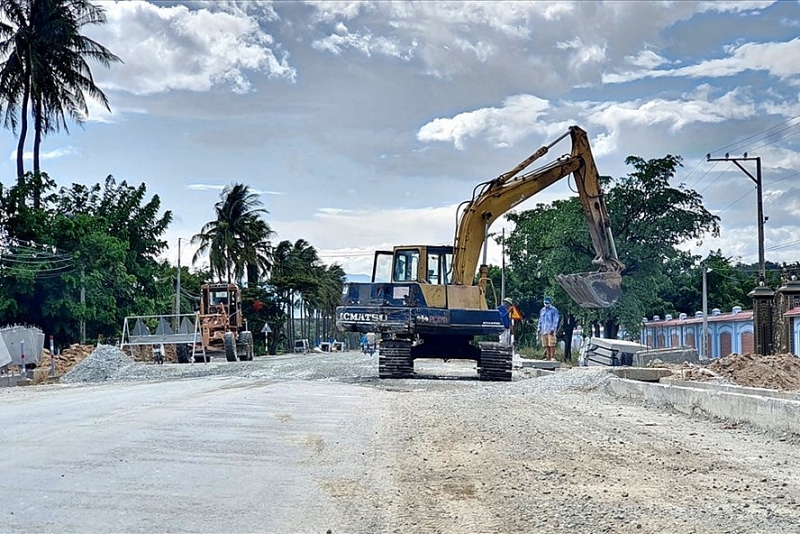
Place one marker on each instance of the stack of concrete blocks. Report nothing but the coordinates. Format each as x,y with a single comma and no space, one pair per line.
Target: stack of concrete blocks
616,352
16,341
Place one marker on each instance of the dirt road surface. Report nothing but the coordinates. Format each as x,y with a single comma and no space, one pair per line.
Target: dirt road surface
316,443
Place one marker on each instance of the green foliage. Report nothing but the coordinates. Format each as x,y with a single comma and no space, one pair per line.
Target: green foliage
46,71
237,240
649,218
100,242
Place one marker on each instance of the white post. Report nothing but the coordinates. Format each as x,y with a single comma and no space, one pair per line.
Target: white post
178,290
705,314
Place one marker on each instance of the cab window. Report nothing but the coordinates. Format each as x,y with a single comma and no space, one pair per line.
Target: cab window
406,263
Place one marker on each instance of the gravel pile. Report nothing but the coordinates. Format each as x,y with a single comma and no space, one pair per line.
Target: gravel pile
101,365
576,379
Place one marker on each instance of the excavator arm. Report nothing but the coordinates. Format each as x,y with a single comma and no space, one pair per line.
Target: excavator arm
494,198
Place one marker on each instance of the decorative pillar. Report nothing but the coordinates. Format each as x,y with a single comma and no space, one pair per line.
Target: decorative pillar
786,297
763,308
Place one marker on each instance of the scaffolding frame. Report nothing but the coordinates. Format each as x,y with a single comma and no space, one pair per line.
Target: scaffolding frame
188,332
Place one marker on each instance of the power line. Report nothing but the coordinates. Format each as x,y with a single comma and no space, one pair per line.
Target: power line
720,175
736,201
735,143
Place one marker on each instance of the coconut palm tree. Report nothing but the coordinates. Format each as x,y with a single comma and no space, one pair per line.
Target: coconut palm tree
45,70
237,242
292,276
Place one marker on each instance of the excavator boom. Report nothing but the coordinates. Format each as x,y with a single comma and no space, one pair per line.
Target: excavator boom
494,198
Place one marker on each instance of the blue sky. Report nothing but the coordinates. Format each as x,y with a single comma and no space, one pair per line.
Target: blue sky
364,124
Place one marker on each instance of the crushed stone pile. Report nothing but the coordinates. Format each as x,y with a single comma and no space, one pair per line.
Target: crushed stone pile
101,365
69,357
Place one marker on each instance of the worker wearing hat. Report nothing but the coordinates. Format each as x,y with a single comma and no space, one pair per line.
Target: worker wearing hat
548,324
505,318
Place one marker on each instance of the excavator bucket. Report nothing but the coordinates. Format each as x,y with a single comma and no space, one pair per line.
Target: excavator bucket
592,290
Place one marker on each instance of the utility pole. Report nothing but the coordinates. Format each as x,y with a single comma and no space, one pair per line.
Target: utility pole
503,269
759,200
705,312
178,290
763,297
83,311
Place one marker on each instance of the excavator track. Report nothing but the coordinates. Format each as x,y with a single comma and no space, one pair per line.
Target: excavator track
394,360
495,362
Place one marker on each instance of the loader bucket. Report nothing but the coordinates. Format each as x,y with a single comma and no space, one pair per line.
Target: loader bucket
592,290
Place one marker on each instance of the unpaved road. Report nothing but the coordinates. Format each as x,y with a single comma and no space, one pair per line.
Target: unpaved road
316,443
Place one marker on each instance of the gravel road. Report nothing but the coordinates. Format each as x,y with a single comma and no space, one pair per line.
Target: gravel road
316,443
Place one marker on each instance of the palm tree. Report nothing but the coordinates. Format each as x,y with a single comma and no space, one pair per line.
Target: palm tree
327,296
292,276
45,68
237,241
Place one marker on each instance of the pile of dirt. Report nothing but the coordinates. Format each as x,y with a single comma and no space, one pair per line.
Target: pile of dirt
69,357
776,371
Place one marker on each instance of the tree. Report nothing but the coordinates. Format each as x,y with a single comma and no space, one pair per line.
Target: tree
45,70
99,241
237,242
649,218
292,276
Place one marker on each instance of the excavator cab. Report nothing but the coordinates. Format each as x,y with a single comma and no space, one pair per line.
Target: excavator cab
426,264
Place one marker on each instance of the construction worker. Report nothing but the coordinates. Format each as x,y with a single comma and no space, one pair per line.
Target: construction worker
548,324
505,318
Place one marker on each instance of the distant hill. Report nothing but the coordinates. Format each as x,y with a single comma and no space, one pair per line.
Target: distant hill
358,278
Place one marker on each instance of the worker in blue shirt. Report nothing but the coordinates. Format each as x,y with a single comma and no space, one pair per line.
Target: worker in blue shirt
548,324
505,318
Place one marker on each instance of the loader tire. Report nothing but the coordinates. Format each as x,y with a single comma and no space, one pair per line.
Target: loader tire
495,362
230,346
246,339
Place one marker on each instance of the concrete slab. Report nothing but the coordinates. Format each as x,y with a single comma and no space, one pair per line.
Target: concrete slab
642,374
539,364
670,355
10,380
769,413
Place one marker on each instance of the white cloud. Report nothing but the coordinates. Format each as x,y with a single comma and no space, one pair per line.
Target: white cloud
205,187
776,59
646,59
366,43
676,114
517,118
174,48
51,154
736,6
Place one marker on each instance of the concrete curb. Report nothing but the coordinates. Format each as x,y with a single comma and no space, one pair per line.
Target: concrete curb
768,413
730,388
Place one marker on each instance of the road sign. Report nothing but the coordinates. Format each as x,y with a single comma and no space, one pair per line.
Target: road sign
514,314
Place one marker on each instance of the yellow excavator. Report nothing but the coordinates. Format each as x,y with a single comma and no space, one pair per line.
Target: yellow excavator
423,299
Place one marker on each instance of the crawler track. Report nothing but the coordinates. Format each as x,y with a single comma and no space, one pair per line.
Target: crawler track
495,362
395,360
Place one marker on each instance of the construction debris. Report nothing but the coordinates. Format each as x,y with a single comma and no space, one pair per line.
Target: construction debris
68,358
776,371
